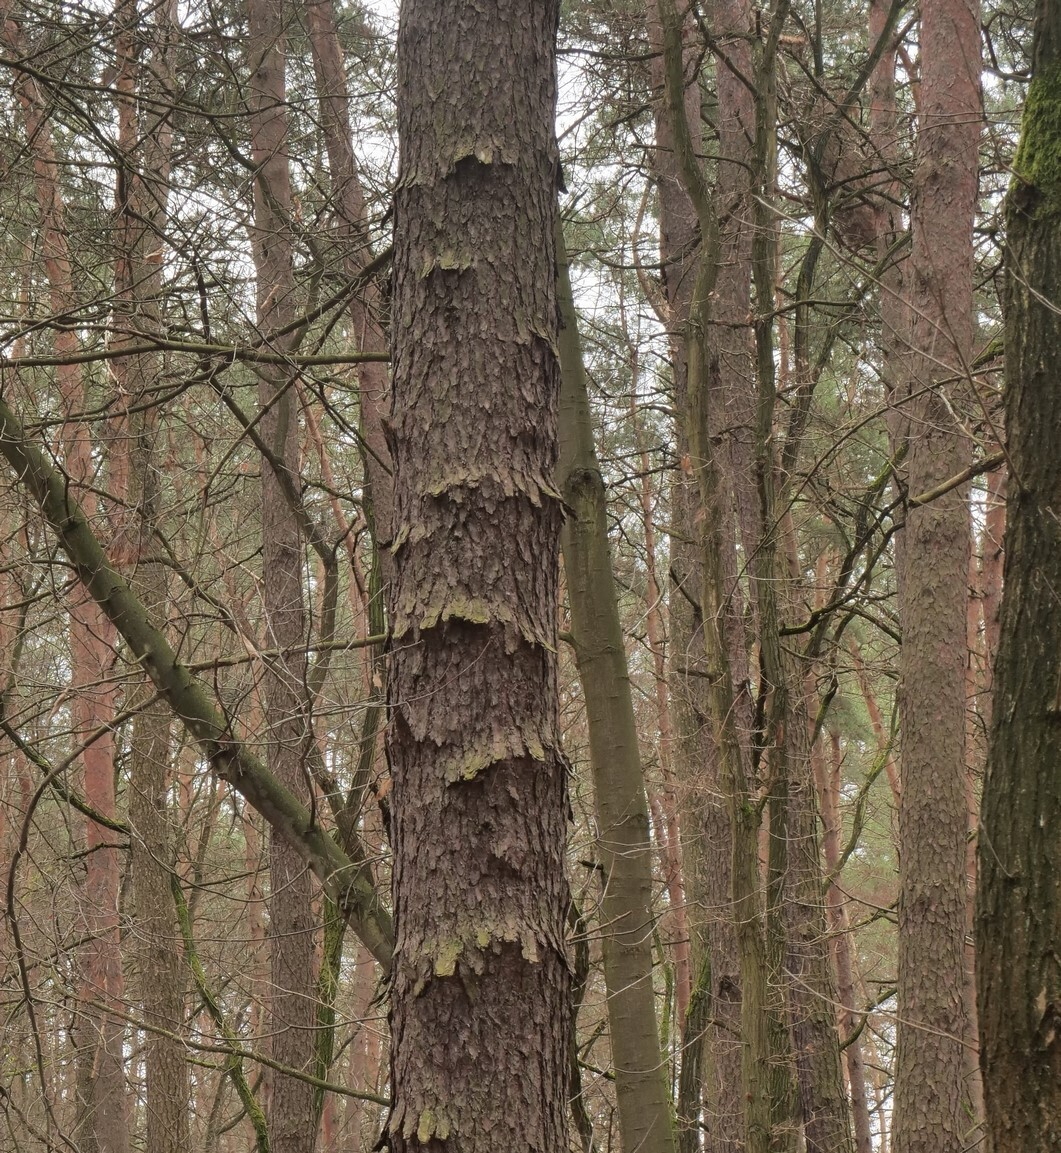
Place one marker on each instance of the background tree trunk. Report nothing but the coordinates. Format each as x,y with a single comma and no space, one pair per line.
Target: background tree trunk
292,1017
144,141
933,571
623,844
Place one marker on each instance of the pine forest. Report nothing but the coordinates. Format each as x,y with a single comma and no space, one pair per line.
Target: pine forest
530,576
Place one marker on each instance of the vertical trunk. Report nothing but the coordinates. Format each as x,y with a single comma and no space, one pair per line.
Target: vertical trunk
102,1121
670,826
829,780
760,1024
623,843
1019,913
144,149
991,579
932,570
706,817
366,307
812,986
975,757
480,986
884,147
291,920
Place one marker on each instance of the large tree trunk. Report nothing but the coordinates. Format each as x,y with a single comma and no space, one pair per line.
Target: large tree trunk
292,1016
480,989
623,843
1019,913
933,570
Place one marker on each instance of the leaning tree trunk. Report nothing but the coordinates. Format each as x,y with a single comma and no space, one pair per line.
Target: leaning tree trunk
480,985
1019,913
623,845
932,572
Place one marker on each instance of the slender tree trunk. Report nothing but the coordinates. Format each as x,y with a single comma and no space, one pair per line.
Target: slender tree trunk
623,844
480,989
102,1120
708,847
144,147
933,569
813,994
292,1015
829,780
670,826
1019,913
366,307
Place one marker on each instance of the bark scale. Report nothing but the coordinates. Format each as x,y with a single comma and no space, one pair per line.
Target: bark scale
480,988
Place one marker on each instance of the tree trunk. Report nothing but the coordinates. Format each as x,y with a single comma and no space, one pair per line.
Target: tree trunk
1019,912
708,848
366,307
623,845
933,571
292,1017
144,141
480,989
102,1116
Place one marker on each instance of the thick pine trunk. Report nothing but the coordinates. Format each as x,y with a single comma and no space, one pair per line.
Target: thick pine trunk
1019,912
480,984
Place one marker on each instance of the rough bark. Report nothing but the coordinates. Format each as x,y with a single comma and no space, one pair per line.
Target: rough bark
1019,910
932,571
623,844
480,989
291,1017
